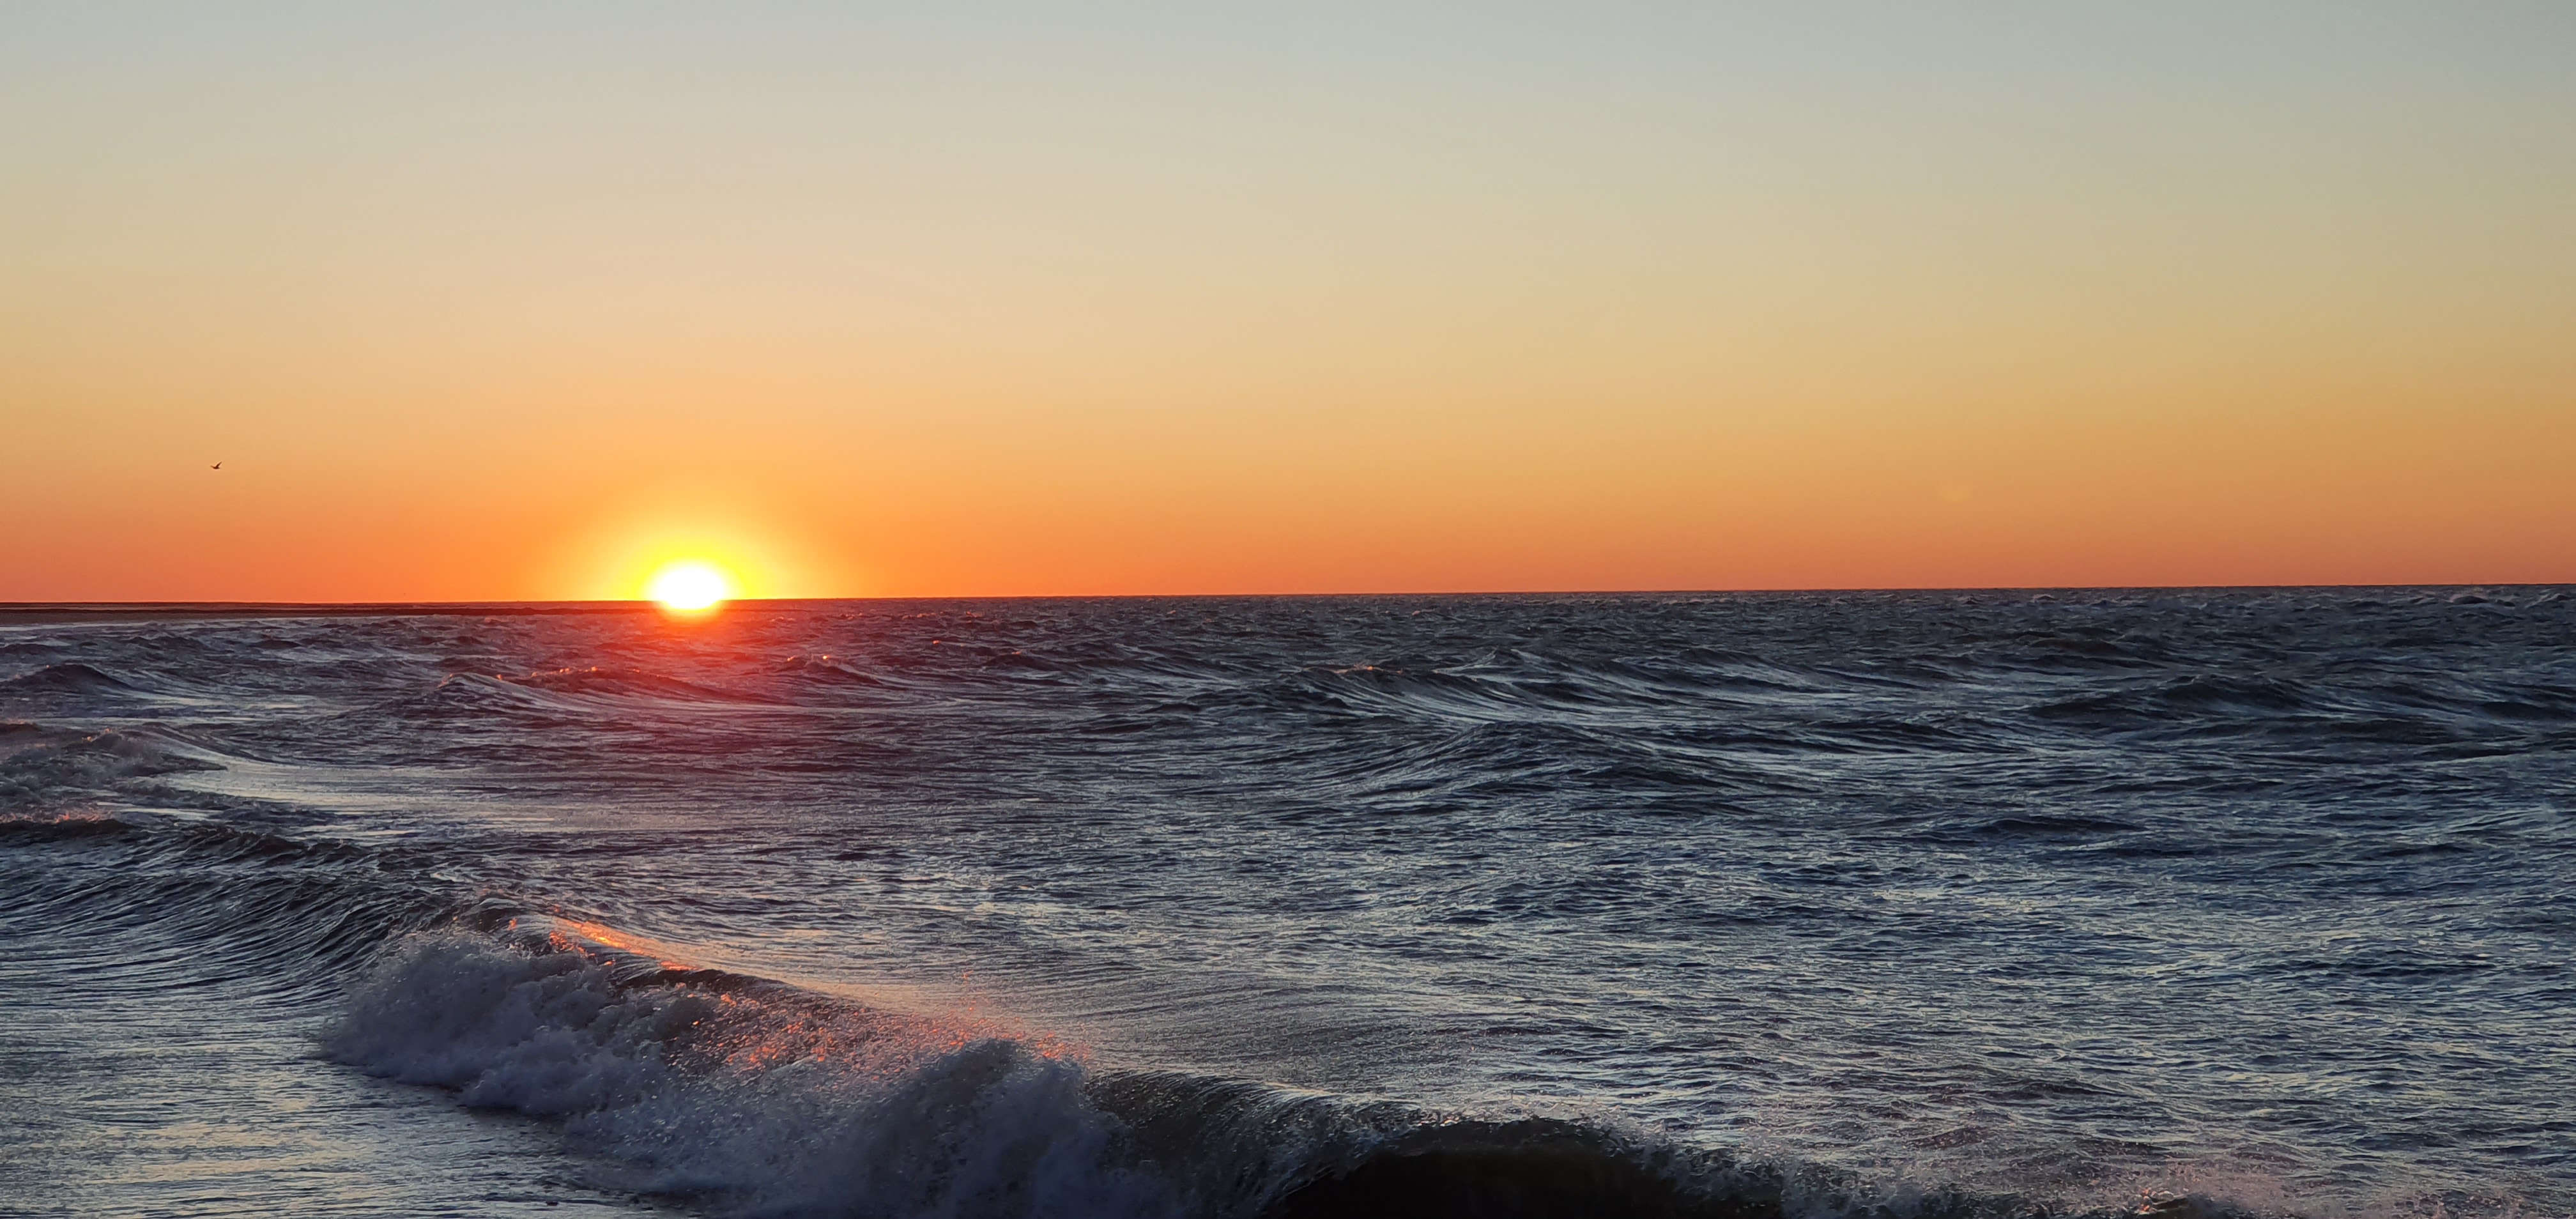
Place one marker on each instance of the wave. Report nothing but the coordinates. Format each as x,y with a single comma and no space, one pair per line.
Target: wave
140,674
750,1096
736,1094
823,667
60,826
1515,683
598,680
758,1098
67,677
39,763
582,694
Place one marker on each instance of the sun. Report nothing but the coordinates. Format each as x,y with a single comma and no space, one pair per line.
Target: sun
689,585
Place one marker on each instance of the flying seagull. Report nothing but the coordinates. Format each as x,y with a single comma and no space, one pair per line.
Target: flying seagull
217,466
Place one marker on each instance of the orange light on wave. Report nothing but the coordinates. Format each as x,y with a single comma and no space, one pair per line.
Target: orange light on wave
575,935
753,1033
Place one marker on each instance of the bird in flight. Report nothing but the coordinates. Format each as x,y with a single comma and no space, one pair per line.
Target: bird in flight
217,466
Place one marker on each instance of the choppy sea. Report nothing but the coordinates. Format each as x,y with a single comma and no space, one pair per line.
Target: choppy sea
2249,902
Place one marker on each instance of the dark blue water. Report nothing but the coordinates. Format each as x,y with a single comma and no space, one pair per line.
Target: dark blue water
1930,903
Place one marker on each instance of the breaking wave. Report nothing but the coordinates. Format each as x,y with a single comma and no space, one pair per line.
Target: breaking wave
776,1101
754,1098
763,1099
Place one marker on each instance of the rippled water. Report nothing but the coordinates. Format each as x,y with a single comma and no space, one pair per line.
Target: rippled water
1751,904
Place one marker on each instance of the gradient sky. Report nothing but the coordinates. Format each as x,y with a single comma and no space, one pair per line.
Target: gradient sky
508,300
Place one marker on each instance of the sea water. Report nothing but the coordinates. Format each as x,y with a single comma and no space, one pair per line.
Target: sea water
1896,904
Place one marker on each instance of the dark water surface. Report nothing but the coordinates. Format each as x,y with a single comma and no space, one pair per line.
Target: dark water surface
1720,905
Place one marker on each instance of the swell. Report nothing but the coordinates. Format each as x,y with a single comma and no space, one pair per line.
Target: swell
139,901
39,764
66,677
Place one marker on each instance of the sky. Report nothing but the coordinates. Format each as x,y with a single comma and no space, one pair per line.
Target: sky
485,301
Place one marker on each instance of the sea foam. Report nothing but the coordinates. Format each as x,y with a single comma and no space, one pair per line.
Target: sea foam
763,1099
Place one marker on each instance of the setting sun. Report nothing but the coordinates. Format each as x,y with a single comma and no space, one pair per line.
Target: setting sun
689,584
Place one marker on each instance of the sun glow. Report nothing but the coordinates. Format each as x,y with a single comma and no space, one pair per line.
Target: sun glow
689,585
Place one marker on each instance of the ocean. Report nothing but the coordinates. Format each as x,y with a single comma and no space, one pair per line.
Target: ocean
2176,902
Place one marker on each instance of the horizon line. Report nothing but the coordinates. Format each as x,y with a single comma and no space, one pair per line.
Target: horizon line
638,604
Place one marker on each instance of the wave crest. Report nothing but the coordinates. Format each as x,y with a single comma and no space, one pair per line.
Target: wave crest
700,1083
36,761
66,677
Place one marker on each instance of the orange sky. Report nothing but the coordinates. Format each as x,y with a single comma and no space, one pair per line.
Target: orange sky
477,305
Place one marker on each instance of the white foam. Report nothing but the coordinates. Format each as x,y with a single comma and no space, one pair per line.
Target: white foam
774,1103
